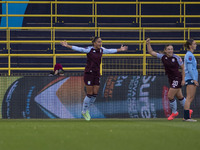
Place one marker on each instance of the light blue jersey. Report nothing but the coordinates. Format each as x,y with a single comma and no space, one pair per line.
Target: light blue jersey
190,65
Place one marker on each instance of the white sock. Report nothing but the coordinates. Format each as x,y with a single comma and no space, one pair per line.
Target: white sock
86,104
173,105
182,102
93,98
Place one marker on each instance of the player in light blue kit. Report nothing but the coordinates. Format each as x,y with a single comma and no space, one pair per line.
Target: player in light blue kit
191,77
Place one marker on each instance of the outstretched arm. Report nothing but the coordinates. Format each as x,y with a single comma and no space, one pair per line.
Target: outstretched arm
122,48
76,48
65,44
149,48
110,51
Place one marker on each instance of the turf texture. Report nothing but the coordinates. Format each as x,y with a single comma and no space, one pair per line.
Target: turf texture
99,134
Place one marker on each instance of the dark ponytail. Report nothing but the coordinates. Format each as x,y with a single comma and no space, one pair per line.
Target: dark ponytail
188,43
94,39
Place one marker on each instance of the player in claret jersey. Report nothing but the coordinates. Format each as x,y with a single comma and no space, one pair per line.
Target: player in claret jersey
92,70
176,80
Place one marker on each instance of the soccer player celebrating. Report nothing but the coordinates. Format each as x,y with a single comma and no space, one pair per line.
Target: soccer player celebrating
176,80
191,77
92,70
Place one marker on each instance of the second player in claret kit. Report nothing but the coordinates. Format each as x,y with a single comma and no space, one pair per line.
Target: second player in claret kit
172,63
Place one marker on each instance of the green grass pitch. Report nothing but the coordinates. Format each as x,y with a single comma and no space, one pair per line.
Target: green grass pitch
99,134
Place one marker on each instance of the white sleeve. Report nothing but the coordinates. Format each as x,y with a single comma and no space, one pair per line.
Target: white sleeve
109,51
159,55
81,49
180,62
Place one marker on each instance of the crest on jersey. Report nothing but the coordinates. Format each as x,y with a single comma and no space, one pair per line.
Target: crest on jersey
165,57
173,60
190,58
100,50
89,82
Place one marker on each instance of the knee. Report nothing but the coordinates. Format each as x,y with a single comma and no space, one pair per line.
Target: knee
190,97
95,93
180,96
96,90
90,92
170,97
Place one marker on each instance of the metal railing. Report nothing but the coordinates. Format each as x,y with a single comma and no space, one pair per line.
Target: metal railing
94,15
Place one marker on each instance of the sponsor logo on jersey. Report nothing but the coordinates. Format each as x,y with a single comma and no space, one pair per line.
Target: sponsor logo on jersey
190,58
